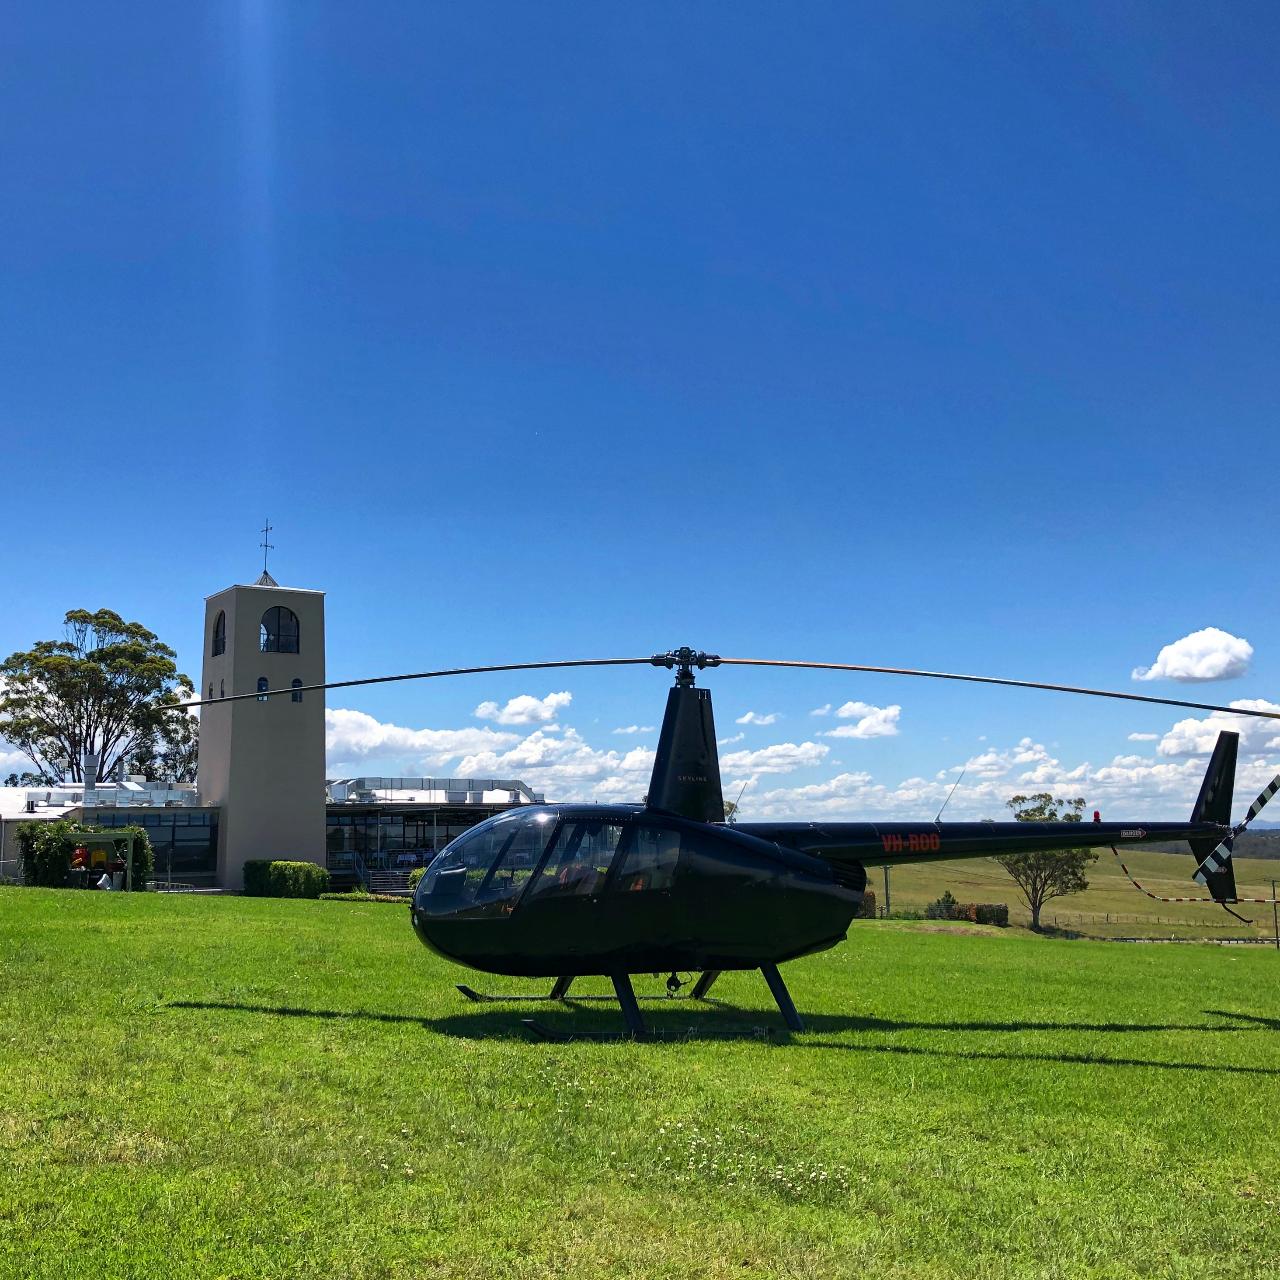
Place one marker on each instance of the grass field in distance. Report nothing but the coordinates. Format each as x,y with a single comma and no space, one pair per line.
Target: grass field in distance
1109,895
195,1086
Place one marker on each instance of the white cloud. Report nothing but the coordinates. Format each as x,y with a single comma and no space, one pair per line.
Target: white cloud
872,722
824,710
1128,786
566,767
1209,654
353,736
782,757
754,717
1143,737
635,728
524,709
737,737
1197,737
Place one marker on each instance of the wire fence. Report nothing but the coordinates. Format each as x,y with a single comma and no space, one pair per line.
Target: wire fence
1067,918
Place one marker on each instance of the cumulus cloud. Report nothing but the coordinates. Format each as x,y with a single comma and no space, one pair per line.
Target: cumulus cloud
524,709
1210,654
352,736
566,767
1192,737
635,728
869,721
1143,737
754,717
782,757
824,710
1127,786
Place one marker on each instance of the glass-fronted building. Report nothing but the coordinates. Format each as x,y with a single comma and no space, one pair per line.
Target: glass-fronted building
184,840
396,824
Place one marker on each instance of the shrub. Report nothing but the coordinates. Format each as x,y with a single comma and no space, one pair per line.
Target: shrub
264,878
46,849
947,908
415,875
943,909
868,909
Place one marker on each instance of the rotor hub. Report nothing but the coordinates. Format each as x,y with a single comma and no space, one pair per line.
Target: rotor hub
684,660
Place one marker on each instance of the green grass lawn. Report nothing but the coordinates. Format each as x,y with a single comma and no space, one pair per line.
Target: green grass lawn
195,1086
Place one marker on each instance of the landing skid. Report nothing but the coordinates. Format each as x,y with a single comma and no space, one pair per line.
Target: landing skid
628,1001
558,992
484,997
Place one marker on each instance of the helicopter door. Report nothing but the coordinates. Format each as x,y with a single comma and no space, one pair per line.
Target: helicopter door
561,904
642,910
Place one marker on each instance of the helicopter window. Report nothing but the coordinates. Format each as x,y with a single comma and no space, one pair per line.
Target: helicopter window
649,861
487,868
580,861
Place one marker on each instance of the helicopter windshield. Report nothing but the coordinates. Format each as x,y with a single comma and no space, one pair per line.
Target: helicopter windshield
484,871
533,856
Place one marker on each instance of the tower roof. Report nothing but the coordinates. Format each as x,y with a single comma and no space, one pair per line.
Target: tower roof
266,580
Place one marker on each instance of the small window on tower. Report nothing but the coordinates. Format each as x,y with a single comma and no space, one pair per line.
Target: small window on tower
296,695
220,634
263,686
279,630
211,693
222,688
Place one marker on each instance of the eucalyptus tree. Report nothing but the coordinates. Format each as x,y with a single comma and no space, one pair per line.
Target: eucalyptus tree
108,687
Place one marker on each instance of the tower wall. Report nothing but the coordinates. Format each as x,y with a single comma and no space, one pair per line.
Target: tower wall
263,762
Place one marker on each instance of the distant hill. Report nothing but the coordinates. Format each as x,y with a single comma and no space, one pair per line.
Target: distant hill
1250,844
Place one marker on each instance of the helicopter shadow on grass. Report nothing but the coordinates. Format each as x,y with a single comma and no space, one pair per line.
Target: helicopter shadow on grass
714,1020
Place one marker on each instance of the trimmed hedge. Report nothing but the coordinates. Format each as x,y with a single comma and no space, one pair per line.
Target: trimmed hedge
46,849
947,908
415,875
264,878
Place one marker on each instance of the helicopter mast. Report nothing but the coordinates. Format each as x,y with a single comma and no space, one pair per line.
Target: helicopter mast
686,769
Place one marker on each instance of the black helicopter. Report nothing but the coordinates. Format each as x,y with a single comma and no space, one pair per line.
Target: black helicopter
667,886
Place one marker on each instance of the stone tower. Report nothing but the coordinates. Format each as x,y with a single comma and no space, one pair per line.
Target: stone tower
262,760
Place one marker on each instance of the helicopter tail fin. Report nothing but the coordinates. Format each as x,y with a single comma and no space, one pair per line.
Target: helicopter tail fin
1213,857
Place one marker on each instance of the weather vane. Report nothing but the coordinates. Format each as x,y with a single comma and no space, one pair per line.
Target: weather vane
264,544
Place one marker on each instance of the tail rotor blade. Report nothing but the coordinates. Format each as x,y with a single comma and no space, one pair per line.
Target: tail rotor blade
1217,861
1261,802
1220,859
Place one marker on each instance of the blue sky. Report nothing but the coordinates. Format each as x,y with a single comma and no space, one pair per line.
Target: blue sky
921,337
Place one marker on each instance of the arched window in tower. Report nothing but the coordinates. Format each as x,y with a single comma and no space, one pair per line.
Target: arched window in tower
296,695
263,686
220,633
279,631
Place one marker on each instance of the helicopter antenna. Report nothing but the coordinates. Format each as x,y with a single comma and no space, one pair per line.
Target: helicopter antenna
952,792
733,821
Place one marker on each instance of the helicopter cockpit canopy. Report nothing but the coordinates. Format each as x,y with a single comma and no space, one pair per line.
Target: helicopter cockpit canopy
539,854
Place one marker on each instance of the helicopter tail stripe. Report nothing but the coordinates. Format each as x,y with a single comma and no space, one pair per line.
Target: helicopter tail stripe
1217,862
1257,806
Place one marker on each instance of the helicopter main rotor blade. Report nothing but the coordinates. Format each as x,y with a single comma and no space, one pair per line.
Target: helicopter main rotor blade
416,675
1016,684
